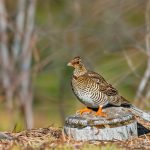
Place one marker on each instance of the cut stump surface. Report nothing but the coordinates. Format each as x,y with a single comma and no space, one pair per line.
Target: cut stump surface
119,124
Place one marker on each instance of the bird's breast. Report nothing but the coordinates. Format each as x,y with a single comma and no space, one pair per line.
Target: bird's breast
82,90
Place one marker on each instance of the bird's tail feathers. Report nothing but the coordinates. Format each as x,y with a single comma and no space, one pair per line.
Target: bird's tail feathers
138,112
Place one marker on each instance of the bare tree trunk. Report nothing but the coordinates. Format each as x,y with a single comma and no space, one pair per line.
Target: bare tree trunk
26,98
16,66
75,47
146,76
26,85
4,56
20,20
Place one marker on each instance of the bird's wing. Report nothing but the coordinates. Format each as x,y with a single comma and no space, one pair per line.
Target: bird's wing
105,87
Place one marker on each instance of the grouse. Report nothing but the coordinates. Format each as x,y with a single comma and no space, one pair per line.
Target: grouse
94,91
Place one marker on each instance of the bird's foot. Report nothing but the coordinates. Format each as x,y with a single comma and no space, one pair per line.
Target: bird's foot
100,113
84,110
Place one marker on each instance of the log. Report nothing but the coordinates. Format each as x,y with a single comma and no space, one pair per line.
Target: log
120,124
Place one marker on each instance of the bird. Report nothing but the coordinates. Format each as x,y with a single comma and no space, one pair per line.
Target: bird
94,91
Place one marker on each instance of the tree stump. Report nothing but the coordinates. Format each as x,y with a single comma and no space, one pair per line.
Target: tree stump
120,124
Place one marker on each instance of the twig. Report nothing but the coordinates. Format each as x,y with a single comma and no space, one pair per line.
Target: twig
146,76
130,64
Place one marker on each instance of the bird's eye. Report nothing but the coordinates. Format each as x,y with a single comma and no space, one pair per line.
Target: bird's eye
77,62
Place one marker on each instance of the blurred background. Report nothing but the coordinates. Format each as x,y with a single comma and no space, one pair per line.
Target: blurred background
39,37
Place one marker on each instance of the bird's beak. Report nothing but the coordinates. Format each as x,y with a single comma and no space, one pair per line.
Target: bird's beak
69,64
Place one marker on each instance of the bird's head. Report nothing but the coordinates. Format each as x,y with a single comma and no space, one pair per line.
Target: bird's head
78,66
75,62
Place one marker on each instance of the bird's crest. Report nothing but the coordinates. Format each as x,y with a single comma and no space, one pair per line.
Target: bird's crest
75,61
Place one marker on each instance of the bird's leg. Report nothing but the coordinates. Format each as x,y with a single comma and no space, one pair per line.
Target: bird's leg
81,111
100,112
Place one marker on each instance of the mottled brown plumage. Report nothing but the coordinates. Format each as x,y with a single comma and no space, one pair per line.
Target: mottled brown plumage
92,89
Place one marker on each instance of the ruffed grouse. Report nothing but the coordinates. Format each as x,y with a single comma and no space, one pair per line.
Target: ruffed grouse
93,90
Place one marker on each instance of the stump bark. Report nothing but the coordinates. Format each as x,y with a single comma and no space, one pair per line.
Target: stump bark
120,124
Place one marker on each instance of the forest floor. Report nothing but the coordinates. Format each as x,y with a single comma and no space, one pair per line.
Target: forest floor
54,138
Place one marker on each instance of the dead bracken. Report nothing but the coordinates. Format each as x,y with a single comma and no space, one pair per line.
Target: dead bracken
52,137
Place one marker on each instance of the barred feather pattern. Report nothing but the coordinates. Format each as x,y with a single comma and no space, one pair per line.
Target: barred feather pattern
93,90
90,94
